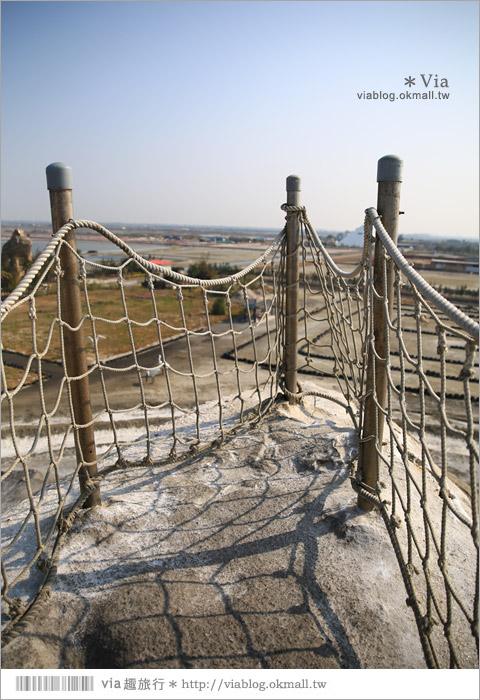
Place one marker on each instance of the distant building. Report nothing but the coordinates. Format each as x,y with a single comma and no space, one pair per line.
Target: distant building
161,283
164,263
331,240
454,265
472,267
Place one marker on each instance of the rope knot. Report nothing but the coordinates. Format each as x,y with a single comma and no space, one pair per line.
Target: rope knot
90,485
428,624
32,313
468,371
442,341
82,269
121,463
43,564
16,607
65,524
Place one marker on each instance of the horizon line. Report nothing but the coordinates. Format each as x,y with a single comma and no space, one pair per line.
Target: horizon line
9,222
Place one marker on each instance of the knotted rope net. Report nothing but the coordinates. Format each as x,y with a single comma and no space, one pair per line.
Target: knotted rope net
426,455
179,354
147,404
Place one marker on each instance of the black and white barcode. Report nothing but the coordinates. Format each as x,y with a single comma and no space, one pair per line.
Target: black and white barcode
53,683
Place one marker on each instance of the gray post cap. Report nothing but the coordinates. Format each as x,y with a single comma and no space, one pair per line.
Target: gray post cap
293,183
59,177
390,168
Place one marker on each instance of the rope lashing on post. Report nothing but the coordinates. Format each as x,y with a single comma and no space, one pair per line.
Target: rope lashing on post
319,245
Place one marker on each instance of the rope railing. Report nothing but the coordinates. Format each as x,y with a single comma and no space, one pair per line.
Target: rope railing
377,339
155,416
455,314
354,330
73,225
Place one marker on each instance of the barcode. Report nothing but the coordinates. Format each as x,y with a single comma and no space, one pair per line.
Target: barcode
52,683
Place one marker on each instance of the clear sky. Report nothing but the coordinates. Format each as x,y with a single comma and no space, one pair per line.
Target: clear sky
195,112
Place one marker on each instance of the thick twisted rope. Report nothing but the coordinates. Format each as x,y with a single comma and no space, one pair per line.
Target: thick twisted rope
146,264
449,309
26,281
347,309
346,334
330,262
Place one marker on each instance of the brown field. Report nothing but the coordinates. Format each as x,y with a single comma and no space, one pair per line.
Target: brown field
13,376
121,338
109,311
451,279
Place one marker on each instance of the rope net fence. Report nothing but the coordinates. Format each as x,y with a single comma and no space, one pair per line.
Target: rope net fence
187,341
426,455
147,404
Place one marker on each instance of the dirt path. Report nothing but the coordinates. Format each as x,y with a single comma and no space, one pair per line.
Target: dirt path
128,389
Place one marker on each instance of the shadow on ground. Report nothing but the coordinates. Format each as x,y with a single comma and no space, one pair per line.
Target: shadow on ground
254,555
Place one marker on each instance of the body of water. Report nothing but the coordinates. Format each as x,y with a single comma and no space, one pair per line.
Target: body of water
103,248
180,254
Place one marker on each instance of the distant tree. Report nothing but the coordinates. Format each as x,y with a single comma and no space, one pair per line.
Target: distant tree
207,271
224,269
219,307
202,269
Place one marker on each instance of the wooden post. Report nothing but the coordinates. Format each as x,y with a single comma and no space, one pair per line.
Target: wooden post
389,178
291,301
59,183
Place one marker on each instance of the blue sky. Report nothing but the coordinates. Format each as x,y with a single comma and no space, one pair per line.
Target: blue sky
195,112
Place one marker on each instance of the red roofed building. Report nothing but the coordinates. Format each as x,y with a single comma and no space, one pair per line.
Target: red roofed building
163,263
159,283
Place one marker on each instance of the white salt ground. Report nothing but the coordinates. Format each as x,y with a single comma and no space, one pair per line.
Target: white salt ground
253,555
